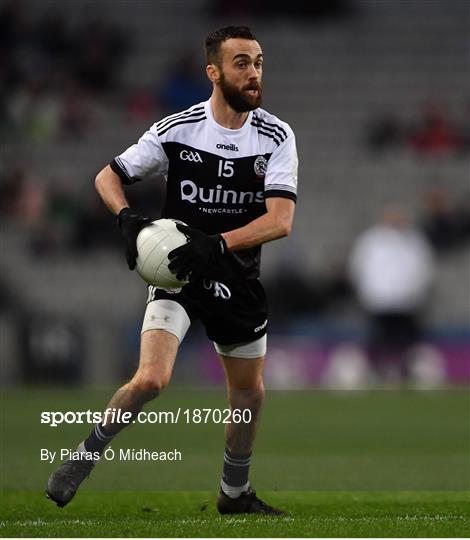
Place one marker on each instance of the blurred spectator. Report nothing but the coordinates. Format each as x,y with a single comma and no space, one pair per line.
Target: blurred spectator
22,197
185,85
46,67
435,134
59,221
76,117
391,268
385,132
141,105
292,288
60,228
446,225
98,55
40,117
95,228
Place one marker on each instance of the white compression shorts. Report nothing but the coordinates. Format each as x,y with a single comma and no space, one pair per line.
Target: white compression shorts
170,316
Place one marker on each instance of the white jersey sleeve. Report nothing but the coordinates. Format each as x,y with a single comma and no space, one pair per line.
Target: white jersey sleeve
281,174
141,160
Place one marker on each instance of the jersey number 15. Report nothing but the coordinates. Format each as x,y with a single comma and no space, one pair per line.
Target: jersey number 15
225,168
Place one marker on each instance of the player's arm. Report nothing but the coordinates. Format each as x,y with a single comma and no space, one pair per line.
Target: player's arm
200,255
139,161
110,188
280,191
275,223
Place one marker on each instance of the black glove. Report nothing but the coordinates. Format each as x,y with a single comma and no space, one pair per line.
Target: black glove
131,225
199,257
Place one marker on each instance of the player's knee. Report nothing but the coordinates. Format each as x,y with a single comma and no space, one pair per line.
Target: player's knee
256,396
150,385
250,398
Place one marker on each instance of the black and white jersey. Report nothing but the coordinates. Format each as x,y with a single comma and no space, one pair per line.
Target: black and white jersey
217,178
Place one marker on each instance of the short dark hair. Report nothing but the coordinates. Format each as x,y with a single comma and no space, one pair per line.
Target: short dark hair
216,38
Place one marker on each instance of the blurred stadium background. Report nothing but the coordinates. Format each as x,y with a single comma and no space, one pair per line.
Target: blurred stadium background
377,93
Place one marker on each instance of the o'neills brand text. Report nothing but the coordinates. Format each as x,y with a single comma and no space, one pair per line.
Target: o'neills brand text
231,147
261,326
194,194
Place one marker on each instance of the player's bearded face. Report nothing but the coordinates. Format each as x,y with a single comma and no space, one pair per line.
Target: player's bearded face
242,99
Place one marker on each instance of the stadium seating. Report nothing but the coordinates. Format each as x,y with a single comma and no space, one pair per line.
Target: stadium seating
328,80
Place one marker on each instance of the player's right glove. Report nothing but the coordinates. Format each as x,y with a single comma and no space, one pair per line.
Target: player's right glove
130,225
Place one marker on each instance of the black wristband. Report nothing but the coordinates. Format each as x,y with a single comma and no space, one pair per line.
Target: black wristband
222,244
122,214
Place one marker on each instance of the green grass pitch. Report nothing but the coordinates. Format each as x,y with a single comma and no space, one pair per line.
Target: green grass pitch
183,514
376,463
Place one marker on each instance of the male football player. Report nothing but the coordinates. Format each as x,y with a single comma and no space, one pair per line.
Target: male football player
231,170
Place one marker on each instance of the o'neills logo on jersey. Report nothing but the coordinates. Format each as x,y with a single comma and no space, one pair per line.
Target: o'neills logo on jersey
195,194
261,326
231,147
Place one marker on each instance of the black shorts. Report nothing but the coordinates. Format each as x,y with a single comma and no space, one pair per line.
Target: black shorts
231,312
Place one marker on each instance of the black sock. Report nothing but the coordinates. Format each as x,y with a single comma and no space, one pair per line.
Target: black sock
97,440
236,468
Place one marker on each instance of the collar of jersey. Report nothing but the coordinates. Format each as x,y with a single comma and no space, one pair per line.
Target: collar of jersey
223,129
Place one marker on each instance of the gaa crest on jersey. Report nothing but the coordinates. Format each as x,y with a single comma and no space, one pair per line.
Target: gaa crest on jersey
190,155
260,166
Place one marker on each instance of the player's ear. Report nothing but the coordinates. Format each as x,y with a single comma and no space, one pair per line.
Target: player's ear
213,73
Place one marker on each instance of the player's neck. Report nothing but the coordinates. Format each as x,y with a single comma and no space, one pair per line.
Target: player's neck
224,115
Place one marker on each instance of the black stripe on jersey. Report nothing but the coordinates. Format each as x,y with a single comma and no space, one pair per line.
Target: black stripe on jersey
275,126
177,116
280,193
278,137
183,121
287,187
270,135
122,173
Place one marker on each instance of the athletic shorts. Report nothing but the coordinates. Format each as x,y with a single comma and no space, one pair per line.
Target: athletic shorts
231,312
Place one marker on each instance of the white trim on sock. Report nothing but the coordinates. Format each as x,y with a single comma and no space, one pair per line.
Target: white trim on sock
101,435
81,448
232,491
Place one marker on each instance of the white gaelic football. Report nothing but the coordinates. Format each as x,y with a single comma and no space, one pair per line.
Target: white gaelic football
154,242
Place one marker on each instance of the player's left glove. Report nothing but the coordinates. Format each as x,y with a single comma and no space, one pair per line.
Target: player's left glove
199,257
